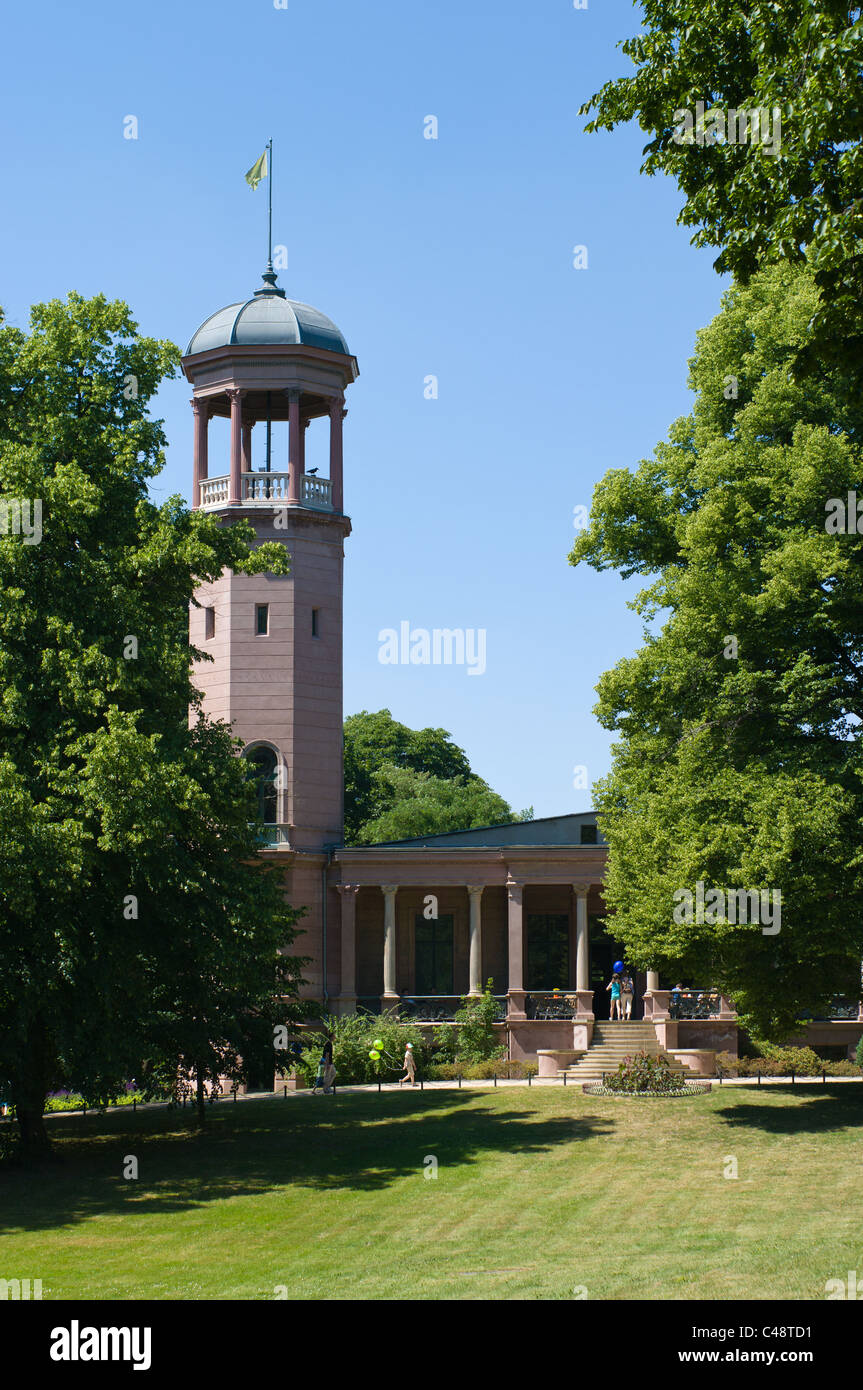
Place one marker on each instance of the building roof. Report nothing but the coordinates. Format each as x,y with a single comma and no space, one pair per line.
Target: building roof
269,318
548,831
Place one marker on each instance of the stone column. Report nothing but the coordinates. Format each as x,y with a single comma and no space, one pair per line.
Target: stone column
390,995
583,991
337,415
235,491
515,920
651,989
475,962
201,409
348,981
295,447
247,445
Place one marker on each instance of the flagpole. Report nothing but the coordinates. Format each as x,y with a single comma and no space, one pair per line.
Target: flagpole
270,191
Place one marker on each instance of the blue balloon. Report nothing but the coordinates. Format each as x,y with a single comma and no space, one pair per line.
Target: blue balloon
618,965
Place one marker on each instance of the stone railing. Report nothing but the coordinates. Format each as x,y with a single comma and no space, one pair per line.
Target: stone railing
317,492
267,490
273,836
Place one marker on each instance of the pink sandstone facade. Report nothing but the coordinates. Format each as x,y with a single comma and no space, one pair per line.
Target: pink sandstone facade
517,903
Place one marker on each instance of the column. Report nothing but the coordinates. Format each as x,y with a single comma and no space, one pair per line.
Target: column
515,923
201,410
337,415
247,445
475,958
390,996
348,980
583,991
295,447
235,490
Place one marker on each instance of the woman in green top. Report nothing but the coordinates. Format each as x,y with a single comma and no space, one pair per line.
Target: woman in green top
614,986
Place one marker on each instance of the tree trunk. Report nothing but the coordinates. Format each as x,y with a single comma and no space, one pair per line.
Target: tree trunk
31,1127
199,1086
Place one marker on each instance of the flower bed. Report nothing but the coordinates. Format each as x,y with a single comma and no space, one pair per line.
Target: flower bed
689,1088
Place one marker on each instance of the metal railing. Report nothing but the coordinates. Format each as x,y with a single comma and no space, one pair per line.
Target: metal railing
550,1005
695,1003
272,836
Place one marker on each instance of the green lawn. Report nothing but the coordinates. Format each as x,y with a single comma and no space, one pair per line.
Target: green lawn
539,1191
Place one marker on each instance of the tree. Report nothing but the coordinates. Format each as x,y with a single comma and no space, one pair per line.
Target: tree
383,801
739,756
798,199
418,804
137,919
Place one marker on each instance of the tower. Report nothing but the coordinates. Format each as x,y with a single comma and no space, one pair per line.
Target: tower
276,641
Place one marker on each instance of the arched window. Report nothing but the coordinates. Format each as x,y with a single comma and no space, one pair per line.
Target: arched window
265,766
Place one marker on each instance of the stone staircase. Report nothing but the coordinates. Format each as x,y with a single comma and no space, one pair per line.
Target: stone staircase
611,1043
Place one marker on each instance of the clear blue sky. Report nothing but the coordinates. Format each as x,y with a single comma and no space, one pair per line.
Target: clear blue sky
450,257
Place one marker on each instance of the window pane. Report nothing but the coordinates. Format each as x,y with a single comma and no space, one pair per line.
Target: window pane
433,954
547,950
263,763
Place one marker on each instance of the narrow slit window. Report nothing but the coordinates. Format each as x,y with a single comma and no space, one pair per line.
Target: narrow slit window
209,623
316,623
262,619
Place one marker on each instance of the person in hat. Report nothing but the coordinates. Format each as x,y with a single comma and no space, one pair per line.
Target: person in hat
410,1066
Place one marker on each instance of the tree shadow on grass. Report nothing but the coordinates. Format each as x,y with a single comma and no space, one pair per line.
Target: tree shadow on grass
827,1110
362,1143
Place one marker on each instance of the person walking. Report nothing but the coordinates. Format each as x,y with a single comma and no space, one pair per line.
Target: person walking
627,992
326,1074
410,1066
614,987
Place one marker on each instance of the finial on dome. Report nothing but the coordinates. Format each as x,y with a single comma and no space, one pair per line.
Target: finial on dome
269,278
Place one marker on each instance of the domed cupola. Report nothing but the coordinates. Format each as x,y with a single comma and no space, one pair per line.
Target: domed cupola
268,358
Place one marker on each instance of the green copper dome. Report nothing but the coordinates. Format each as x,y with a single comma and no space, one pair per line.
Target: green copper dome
267,319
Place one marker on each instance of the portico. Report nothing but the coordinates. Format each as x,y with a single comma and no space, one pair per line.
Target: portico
433,920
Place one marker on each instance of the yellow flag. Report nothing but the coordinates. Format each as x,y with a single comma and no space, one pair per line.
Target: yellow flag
258,171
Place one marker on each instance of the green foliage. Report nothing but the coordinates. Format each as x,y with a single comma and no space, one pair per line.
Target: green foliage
353,1037
742,771
141,932
644,1074
481,1071
783,1061
859,1052
401,783
477,1038
801,203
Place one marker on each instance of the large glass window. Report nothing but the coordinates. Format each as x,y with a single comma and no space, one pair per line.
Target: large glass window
547,950
433,941
264,765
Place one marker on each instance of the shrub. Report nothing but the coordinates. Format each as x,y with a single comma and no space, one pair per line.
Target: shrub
644,1073
477,1039
353,1038
859,1052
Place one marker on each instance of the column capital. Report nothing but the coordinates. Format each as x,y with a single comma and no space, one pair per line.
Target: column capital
336,404
235,393
474,887
293,393
202,406
348,887
581,889
389,887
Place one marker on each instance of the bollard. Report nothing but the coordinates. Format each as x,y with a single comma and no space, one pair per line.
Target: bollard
379,1085
759,1078
459,1080
134,1104
564,1078
528,1080
421,1083
792,1076
823,1077
285,1092
495,1079
235,1095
